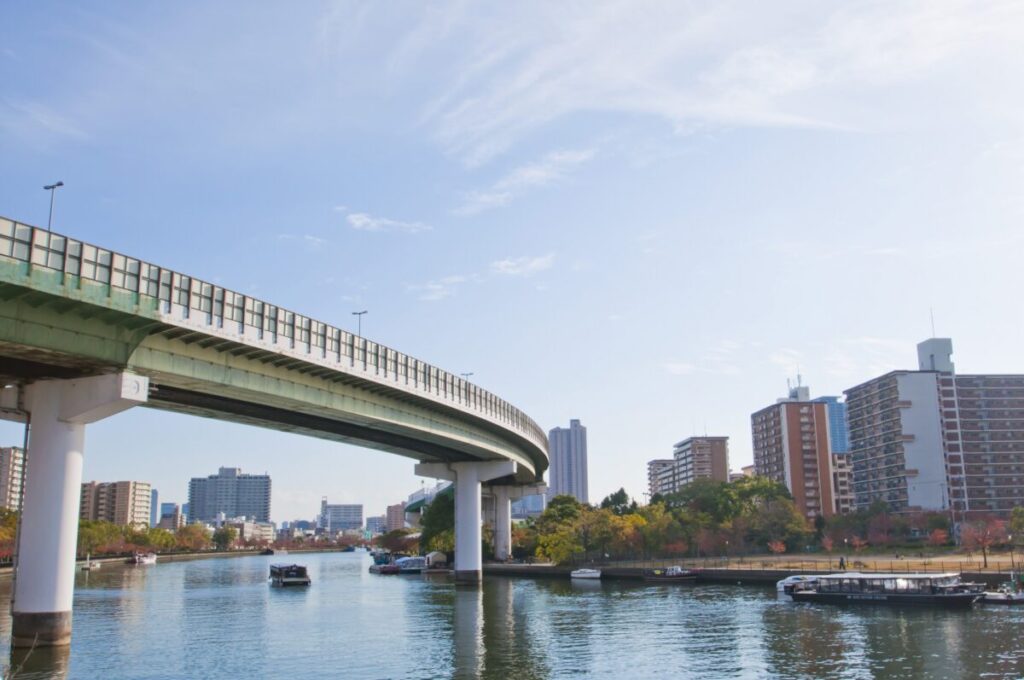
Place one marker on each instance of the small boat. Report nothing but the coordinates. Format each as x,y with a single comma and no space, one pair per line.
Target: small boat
142,558
585,574
384,569
784,588
411,565
674,574
90,565
348,548
934,590
283,575
1007,593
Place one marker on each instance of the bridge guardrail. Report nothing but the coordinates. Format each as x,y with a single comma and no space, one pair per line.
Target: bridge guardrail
220,307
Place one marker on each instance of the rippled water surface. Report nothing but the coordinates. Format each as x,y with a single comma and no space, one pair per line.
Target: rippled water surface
218,618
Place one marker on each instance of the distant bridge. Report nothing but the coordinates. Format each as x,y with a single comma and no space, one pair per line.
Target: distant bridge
86,332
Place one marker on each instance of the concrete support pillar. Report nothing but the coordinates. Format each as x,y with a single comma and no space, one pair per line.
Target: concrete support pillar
502,523
468,478
44,581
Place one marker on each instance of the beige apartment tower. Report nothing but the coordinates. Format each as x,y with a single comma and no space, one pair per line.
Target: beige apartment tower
12,466
123,503
700,458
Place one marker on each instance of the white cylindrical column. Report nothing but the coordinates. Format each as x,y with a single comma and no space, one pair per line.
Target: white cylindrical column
468,555
49,524
502,523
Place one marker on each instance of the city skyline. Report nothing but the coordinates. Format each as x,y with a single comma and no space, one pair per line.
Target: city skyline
599,215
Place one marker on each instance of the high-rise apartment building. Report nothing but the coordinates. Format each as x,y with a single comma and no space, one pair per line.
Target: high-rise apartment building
838,432
660,473
123,503
791,446
229,492
567,450
377,524
842,484
338,517
934,440
12,467
396,516
154,508
700,458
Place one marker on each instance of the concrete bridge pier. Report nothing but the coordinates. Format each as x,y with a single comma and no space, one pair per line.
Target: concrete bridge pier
503,497
468,478
58,411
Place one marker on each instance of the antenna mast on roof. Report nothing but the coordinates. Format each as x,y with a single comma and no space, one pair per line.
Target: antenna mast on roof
931,312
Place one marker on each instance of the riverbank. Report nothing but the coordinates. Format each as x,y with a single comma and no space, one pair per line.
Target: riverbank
756,572
188,556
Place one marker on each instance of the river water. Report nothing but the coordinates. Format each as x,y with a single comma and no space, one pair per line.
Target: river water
218,618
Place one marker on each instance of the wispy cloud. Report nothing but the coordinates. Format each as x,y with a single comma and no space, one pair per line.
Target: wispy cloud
310,241
551,168
719,359
693,65
367,222
448,286
440,289
523,266
25,118
679,367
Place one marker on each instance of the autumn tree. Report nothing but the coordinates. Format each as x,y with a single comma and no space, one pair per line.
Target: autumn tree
192,537
982,535
938,537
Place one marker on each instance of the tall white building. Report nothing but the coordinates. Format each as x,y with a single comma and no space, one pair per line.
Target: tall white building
229,492
338,517
12,464
567,448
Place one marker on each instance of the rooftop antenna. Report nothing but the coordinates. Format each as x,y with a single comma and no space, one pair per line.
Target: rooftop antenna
931,312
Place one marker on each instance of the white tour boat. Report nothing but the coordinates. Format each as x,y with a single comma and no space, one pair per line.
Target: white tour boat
585,573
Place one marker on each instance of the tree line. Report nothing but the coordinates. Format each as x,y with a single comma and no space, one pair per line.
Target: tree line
752,515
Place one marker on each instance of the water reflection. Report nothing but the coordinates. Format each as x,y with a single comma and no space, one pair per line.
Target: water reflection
42,663
220,619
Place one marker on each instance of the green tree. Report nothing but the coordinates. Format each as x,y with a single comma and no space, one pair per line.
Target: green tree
1016,525
438,524
160,539
619,503
224,537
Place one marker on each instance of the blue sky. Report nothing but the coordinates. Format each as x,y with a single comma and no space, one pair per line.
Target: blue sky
644,215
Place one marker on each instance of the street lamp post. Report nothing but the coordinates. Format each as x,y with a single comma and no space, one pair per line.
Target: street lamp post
52,188
465,376
359,315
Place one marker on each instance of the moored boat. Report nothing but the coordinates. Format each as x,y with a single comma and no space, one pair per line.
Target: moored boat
1011,592
411,565
784,588
933,590
585,574
283,575
90,565
675,574
142,558
384,569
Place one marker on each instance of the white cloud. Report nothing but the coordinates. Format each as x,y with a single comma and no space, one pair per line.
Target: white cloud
551,168
367,222
679,367
523,266
440,289
519,68
31,119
